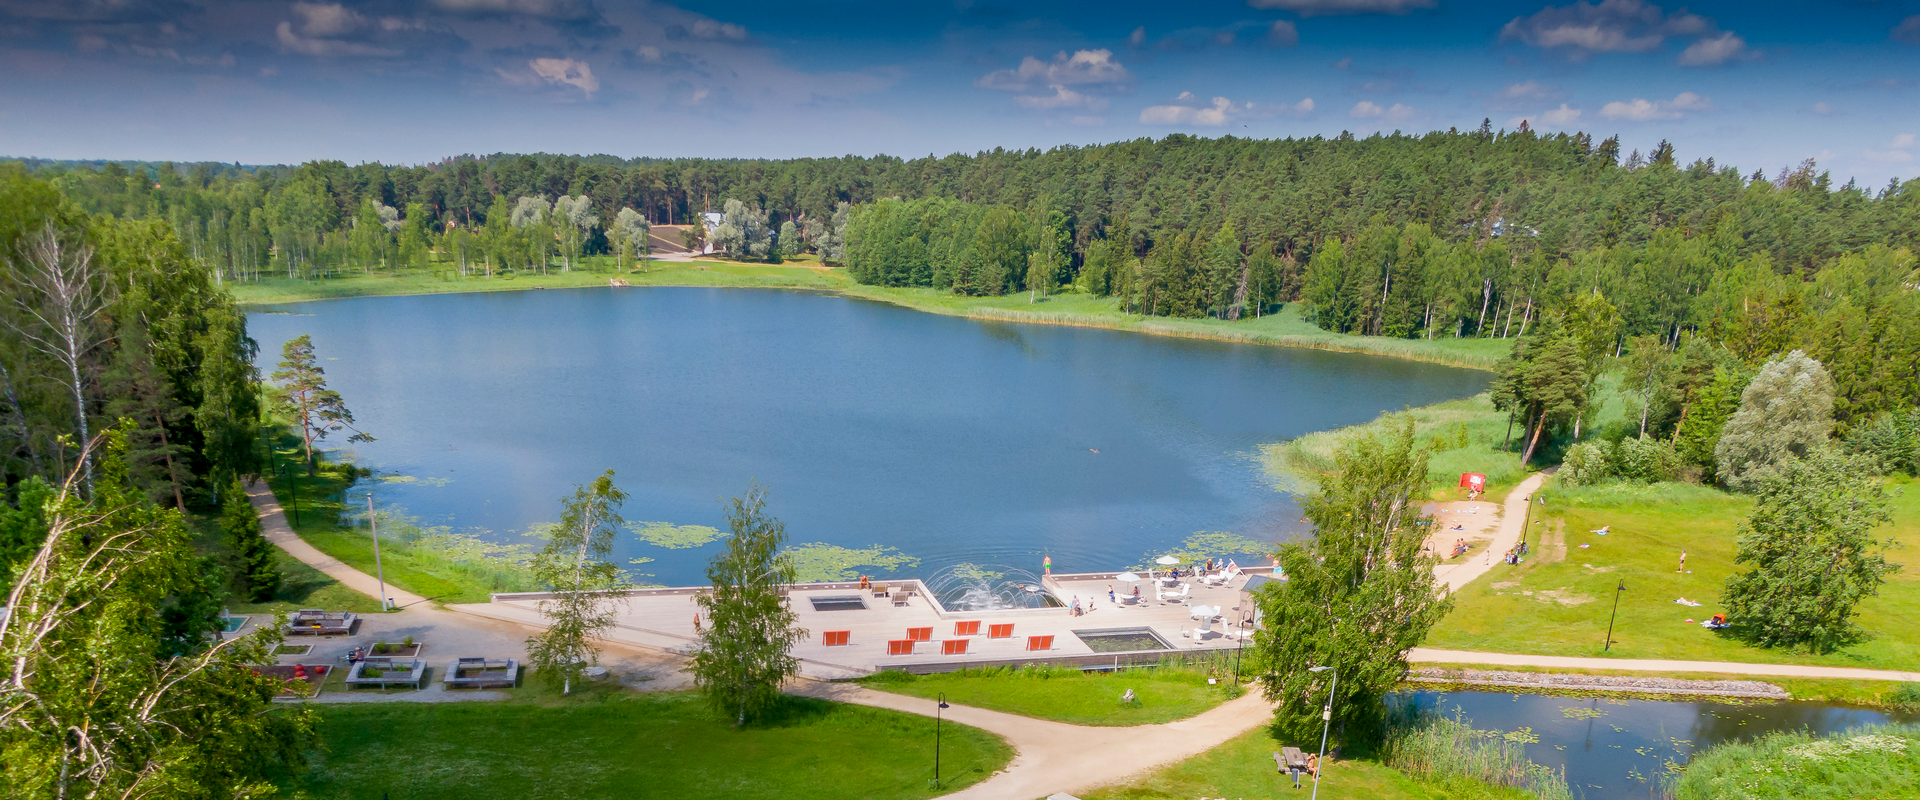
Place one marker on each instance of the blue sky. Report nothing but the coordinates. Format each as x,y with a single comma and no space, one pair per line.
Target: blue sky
1753,84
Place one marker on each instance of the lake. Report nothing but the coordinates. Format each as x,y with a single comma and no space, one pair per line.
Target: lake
1620,749
952,441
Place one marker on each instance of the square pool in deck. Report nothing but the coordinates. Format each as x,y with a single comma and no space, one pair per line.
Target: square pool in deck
853,631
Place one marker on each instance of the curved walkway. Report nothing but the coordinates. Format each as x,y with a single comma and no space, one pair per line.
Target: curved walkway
1513,524
1057,757
273,524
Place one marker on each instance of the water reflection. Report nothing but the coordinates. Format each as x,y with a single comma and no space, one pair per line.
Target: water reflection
1620,749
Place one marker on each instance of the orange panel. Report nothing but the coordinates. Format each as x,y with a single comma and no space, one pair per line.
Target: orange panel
833,638
900,647
953,647
1002,631
1040,642
971,628
920,634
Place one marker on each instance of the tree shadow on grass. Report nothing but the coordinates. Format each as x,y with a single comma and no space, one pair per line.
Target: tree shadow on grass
791,711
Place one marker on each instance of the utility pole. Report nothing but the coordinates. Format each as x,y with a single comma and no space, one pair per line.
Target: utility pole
379,574
1326,724
936,739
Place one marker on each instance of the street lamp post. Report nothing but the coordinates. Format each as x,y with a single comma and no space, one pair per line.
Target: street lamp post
379,574
1326,724
936,739
293,485
1616,613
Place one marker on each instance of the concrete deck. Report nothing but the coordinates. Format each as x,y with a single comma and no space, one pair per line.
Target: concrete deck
664,619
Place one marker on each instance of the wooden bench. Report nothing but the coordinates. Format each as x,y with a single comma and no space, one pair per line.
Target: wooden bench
1040,642
899,647
968,628
920,634
835,638
1000,631
953,647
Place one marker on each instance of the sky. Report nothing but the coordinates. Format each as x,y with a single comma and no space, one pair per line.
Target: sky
1756,85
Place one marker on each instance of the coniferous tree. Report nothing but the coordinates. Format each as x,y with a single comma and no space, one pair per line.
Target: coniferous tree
303,395
252,563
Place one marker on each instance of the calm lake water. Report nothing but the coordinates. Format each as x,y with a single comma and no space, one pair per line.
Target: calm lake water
1616,749
953,440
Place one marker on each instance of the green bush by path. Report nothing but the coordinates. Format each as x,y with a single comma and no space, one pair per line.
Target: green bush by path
1162,694
301,586
1558,601
1880,762
619,745
1243,768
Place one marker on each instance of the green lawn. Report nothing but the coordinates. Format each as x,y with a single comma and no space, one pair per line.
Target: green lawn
1243,768
1072,308
1558,602
301,586
1162,694
611,744
1813,690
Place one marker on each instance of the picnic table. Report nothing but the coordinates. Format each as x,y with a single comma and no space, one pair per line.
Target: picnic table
1290,760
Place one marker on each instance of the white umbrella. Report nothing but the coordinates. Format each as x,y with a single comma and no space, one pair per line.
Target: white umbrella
1166,561
1126,576
1205,612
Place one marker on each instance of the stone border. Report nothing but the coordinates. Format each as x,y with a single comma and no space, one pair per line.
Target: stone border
1558,681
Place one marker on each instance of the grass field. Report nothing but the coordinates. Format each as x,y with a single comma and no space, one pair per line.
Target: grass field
1558,602
301,586
1163,694
1243,769
618,744
1283,328
1881,762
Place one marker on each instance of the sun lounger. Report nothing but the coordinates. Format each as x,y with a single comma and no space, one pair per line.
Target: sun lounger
1000,631
954,647
835,638
967,628
899,647
1040,642
920,634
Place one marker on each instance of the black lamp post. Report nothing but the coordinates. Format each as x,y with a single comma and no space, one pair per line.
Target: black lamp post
293,485
936,739
1616,613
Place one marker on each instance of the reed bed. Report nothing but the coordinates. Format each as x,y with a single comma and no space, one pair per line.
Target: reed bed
1432,747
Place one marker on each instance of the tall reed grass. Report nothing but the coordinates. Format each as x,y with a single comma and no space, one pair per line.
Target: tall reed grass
1429,746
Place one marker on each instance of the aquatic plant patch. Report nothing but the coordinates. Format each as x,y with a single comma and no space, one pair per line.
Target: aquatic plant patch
817,561
675,537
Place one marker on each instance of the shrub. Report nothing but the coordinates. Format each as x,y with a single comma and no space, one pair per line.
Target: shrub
1891,439
1645,459
1585,464
1877,761
1906,698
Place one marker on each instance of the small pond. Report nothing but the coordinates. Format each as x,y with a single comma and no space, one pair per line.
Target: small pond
1616,749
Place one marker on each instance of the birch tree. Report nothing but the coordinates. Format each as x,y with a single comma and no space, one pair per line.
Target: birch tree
61,297
573,566
748,634
631,235
573,219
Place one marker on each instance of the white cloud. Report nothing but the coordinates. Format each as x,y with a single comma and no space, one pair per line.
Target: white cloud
1369,110
1045,84
1908,31
322,26
1530,90
550,9
1188,109
1310,8
1714,51
1062,97
1902,142
1562,117
1822,108
647,53
1642,110
1283,34
715,30
1083,68
1138,37
566,72
1624,26
1896,152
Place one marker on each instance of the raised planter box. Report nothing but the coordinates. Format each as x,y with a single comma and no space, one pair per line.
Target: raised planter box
315,622
383,671
396,650
482,672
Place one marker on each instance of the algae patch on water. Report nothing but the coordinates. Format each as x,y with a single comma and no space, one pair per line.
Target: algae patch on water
675,537
818,561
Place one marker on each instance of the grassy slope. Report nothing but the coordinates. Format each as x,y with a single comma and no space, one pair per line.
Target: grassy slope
1801,765
626,745
1572,589
301,586
1284,328
1071,696
1243,768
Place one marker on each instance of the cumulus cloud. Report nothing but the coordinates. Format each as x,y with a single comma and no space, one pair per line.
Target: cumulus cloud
1283,34
546,9
1642,110
1896,151
1908,31
1189,109
1311,8
1624,26
1715,50
327,29
1067,81
554,72
1562,117
1370,110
